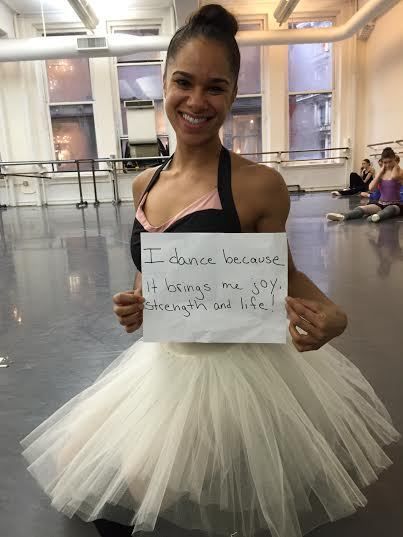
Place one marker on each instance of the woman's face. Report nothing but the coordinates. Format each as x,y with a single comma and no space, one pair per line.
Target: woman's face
365,165
199,91
389,163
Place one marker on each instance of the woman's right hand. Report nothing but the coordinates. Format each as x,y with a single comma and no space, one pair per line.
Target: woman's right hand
128,308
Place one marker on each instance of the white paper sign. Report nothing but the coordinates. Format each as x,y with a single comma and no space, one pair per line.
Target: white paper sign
214,287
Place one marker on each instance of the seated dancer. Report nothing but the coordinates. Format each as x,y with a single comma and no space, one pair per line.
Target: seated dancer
358,182
388,181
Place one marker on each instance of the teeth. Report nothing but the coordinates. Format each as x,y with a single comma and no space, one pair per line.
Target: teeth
193,120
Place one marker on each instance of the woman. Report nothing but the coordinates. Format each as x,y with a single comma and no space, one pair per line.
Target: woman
373,196
226,439
389,181
358,182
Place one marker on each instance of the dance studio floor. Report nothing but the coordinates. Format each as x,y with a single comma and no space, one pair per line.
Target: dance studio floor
59,268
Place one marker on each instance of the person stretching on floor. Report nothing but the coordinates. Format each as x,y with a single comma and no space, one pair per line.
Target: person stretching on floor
388,180
358,182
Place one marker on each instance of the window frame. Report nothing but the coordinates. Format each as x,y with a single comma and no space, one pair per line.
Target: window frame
306,18
114,27
262,22
59,29
139,63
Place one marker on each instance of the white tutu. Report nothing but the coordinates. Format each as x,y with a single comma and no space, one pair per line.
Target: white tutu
225,438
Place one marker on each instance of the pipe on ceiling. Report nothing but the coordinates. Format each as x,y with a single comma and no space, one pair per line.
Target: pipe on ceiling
41,48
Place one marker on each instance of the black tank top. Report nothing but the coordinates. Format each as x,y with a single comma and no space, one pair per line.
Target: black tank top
223,220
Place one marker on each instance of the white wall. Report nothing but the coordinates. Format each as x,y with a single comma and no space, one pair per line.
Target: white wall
6,27
6,20
381,100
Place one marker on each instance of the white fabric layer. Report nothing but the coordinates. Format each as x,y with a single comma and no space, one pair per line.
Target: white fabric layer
219,437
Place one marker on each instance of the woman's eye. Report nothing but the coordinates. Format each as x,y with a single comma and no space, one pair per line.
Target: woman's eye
216,89
182,82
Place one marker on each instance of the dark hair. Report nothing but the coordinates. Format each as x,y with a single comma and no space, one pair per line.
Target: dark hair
367,161
211,22
388,153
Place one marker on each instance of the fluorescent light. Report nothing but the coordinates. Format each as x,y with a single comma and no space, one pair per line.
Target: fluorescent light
85,13
105,8
284,10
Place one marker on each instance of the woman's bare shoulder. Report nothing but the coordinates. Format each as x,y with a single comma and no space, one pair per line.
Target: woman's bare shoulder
257,178
140,183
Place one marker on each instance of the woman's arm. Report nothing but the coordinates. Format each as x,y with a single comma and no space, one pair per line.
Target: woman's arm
128,305
308,308
375,182
369,177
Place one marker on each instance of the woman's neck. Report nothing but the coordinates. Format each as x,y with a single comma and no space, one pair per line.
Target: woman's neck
196,157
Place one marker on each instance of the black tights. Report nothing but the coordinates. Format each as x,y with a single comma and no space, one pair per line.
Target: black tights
106,528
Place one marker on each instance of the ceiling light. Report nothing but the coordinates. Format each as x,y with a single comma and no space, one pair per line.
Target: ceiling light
105,8
85,13
284,10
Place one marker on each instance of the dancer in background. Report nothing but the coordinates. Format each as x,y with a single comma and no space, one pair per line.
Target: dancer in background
358,182
389,181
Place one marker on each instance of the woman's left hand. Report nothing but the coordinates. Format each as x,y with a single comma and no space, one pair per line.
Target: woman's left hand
320,322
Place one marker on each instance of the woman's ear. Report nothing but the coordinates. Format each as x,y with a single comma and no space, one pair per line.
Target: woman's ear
234,94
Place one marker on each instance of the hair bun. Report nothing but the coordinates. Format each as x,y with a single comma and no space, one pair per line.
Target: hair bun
216,16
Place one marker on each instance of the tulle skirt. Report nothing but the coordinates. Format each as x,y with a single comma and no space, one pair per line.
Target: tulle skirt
240,439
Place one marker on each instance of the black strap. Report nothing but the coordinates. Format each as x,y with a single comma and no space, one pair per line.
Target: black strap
156,175
225,187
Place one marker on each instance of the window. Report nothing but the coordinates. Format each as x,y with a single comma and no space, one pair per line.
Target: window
242,128
71,110
140,77
310,84
242,131
140,56
73,133
69,80
142,82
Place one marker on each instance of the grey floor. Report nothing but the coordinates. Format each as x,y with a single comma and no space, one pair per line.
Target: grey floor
59,268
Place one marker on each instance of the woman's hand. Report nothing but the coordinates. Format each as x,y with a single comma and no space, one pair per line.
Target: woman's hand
128,309
320,322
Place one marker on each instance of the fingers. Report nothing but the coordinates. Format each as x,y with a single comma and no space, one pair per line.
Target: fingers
128,297
131,323
135,326
130,319
125,311
310,304
128,307
302,342
297,308
302,323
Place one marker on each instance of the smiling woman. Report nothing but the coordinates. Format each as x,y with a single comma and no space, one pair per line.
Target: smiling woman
241,439
199,93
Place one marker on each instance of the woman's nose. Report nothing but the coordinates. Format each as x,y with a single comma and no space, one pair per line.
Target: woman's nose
197,99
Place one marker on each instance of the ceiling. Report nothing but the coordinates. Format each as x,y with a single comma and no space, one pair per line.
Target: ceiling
34,6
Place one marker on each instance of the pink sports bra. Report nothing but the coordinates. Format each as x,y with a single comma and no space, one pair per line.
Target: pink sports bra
211,200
